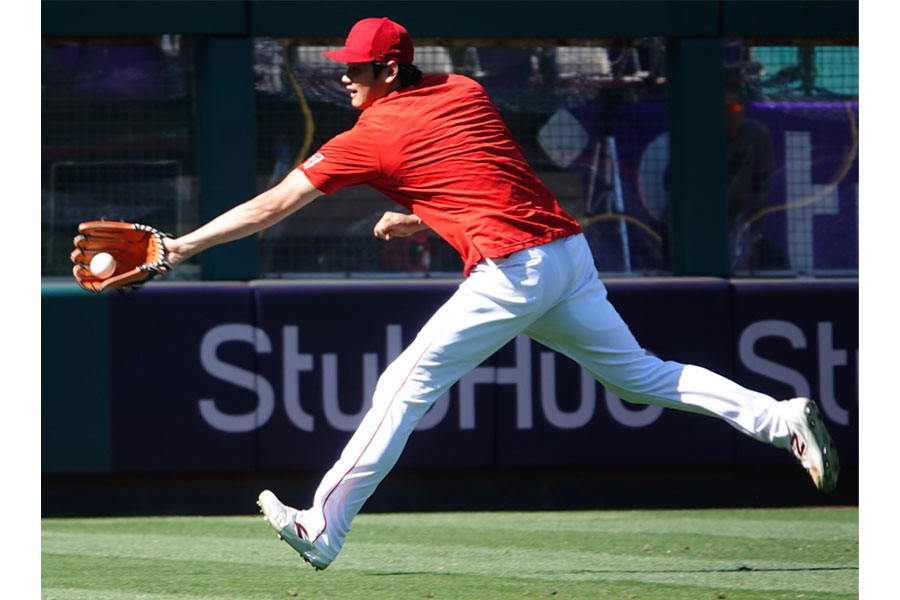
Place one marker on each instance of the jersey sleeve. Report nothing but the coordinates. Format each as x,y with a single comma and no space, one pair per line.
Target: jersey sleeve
349,158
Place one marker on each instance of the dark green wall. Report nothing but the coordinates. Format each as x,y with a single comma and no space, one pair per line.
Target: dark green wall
697,172
464,18
226,146
74,381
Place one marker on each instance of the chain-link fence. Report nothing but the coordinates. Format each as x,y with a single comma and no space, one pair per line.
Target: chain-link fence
590,115
116,138
585,114
792,121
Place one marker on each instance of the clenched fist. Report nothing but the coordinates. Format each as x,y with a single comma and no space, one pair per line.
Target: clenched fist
398,225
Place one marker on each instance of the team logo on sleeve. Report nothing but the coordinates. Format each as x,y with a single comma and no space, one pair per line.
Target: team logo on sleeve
313,160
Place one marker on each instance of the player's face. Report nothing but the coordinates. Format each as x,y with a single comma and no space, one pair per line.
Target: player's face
363,86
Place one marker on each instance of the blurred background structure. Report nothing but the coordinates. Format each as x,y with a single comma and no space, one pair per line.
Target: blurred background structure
709,148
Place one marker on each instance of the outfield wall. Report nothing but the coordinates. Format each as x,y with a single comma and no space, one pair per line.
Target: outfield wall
248,377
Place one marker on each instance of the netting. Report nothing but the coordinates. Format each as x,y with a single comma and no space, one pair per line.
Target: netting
117,142
116,138
792,117
580,111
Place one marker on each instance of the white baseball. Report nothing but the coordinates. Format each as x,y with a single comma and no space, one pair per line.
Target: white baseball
103,265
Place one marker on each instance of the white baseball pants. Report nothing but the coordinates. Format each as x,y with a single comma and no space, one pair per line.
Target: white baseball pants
551,293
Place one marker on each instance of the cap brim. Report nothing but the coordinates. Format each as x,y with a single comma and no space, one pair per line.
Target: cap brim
346,56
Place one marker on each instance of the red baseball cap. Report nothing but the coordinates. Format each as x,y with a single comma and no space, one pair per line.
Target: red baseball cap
375,39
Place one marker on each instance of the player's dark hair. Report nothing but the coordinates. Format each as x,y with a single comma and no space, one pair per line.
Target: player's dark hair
408,74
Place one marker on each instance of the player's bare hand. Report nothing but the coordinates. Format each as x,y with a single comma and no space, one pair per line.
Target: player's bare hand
397,225
174,253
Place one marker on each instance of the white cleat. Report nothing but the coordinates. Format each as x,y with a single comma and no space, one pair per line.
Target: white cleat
284,520
811,444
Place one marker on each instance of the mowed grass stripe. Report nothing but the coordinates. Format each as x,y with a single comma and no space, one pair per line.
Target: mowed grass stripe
726,553
500,554
477,557
550,564
214,527
827,525
225,549
809,524
95,594
844,549
197,579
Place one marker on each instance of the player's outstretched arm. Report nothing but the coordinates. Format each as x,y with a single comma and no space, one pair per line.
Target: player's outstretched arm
268,208
398,225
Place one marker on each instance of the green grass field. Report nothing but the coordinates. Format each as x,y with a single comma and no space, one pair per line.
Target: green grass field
806,553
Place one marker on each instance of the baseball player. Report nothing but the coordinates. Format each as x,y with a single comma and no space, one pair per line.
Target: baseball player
437,146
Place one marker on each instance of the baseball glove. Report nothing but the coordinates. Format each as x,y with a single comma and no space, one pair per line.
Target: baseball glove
138,249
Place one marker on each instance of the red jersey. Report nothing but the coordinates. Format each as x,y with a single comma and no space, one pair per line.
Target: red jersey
441,150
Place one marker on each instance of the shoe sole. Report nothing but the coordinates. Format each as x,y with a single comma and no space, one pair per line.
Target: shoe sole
831,464
302,551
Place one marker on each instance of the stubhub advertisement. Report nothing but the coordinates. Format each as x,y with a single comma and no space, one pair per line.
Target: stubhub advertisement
272,376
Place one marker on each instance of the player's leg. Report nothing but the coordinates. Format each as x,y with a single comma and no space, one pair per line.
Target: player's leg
491,307
586,327
602,343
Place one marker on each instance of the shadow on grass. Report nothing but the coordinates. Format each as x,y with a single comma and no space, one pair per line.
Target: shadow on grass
403,573
740,569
